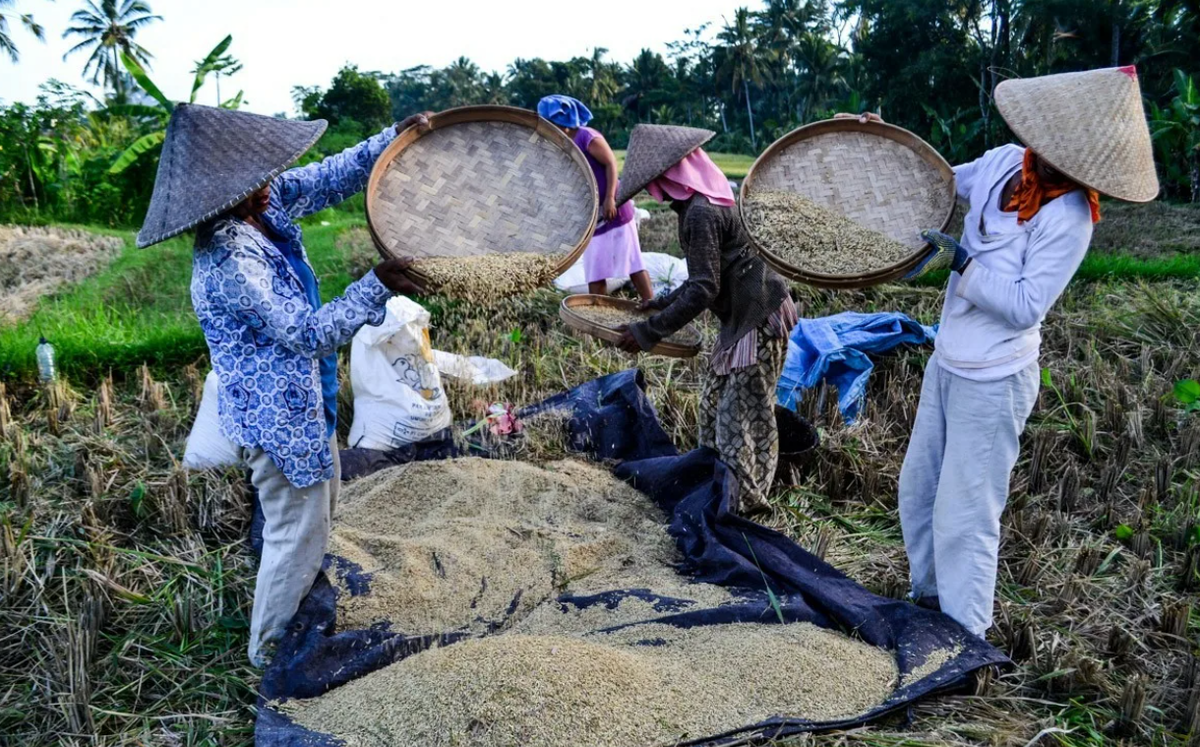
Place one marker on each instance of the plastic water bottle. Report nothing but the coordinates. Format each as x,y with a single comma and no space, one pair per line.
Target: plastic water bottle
45,361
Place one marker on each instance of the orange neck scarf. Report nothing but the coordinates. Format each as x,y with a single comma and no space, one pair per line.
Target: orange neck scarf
1033,192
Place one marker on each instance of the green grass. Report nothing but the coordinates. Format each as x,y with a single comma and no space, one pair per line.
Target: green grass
139,310
734,165
1114,267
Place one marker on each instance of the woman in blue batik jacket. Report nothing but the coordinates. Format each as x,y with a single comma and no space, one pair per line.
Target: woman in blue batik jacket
273,344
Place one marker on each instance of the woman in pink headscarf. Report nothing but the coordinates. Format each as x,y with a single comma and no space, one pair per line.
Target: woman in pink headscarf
727,277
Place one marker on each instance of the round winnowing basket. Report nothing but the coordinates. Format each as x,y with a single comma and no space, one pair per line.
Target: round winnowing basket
567,312
881,176
482,180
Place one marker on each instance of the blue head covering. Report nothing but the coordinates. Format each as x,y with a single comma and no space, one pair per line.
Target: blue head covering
564,111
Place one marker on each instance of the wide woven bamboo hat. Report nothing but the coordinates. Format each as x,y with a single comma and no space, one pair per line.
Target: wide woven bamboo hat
652,150
212,159
1089,125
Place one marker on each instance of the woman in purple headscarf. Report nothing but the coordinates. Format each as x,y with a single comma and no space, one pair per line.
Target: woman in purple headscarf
614,251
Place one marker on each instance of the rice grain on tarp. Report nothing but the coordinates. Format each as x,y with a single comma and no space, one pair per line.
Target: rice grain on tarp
818,240
645,685
465,543
934,660
575,571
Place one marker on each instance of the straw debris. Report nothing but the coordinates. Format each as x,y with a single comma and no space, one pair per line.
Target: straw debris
643,685
36,261
817,240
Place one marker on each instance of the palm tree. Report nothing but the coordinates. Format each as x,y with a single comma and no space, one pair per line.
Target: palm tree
463,81
218,65
494,91
740,62
7,46
822,75
603,84
645,80
108,29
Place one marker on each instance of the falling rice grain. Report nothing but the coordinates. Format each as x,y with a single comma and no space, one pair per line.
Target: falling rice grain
487,278
815,239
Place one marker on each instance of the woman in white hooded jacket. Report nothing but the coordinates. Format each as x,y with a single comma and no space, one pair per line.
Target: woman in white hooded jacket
1025,235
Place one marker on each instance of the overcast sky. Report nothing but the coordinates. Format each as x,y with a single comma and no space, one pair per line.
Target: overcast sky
303,42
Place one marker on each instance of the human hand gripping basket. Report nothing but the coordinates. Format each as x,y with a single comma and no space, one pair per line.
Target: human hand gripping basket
841,203
489,190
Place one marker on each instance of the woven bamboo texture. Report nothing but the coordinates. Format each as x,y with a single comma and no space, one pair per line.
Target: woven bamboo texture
652,150
1107,148
482,180
881,176
580,324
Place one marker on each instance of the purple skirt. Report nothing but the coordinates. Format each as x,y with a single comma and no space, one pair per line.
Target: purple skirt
615,254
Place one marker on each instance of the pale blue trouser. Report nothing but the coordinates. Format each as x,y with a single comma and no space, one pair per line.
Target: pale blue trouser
954,485
295,536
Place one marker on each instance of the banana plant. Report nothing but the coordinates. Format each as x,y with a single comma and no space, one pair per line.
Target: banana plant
150,143
1176,133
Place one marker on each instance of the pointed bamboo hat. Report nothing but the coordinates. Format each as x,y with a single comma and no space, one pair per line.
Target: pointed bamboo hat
1089,125
652,150
212,159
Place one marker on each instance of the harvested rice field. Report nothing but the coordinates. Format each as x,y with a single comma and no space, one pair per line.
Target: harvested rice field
125,582
487,278
645,685
35,262
812,238
613,318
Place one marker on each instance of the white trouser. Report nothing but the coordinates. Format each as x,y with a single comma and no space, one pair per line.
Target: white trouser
295,536
954,485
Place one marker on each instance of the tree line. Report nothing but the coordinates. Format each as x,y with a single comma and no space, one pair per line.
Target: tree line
927,65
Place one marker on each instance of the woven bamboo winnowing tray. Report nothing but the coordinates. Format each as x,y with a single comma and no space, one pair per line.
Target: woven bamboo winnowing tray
566,312
881,176
482,179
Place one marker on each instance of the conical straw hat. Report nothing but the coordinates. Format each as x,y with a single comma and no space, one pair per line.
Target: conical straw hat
652,150
1089,125
212,159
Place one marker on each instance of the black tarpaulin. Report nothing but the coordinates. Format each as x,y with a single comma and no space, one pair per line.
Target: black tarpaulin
613,420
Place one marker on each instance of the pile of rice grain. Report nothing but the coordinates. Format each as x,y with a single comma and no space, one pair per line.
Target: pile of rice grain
469,543
815,239
647,685
487,278
612,317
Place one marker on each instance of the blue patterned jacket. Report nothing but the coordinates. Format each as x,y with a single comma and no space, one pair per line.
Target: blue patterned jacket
264,337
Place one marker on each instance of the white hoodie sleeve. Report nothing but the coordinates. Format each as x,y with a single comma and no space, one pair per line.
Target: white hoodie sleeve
1060,239
964,177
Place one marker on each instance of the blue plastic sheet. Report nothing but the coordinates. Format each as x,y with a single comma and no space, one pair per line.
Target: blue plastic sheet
613,420
835,349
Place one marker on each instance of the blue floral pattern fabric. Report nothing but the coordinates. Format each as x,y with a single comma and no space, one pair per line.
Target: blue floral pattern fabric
264,336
